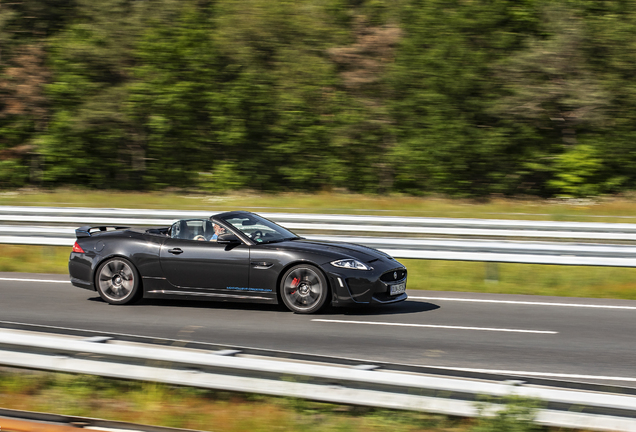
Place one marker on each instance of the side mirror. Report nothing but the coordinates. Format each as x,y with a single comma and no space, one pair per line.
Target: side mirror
228,238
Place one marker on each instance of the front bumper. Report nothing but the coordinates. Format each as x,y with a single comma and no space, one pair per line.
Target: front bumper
351,287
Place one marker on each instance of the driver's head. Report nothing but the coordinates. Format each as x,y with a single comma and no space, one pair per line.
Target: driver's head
218,229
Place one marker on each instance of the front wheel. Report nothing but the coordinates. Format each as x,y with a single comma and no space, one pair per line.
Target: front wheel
118,281
304,289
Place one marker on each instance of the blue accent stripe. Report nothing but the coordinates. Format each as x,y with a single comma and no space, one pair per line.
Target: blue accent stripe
249,289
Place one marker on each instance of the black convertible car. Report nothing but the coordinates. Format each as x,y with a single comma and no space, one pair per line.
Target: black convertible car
235,256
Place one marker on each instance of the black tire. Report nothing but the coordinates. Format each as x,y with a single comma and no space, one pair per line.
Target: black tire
304,289
118,282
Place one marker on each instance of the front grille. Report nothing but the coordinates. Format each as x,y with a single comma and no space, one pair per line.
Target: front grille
393,275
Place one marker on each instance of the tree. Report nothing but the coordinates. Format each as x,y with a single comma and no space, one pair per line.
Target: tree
24,113
172,94
24,106
277,101
367,135
444,85
88,138
550,86
610,47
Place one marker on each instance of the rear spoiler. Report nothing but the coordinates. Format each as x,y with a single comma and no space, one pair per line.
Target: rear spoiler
86,231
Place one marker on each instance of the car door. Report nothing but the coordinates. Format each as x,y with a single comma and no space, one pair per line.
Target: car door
205,266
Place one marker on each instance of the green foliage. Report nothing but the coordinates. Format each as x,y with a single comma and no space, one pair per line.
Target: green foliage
13,174
573,171
199,409
171,99
276,95
444,83
465,98
517,416
87,139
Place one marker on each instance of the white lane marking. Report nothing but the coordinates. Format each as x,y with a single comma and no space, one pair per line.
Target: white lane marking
538,374
33,280
436,326
524,303
103,429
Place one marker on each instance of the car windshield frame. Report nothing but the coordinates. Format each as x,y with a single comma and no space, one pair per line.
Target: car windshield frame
270,232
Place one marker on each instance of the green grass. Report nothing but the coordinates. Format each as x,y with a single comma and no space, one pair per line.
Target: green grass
530,279
34,259
610,209
208,410
568,281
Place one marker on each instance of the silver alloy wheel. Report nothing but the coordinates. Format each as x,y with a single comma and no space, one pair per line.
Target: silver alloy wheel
304,290
116,280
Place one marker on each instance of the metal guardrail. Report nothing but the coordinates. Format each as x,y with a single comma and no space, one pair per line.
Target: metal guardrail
331,222
362,384
31,421
55,226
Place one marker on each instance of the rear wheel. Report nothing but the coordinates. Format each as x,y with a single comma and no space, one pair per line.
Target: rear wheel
304,289
118,281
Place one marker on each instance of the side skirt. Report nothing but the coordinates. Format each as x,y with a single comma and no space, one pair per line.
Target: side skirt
161,288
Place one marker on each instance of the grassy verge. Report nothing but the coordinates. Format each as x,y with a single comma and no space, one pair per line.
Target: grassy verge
621,209
34,259
182,407
596,282
530,279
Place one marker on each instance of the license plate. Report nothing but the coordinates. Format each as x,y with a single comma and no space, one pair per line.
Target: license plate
397,289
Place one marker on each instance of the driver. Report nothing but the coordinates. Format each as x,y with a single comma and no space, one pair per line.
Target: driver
218,230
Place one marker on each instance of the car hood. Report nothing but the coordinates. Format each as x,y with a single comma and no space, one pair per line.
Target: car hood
334,250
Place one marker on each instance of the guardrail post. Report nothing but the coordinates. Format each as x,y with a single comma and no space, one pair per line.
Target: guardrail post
492,272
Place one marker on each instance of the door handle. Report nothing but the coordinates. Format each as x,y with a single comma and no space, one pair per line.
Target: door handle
175,251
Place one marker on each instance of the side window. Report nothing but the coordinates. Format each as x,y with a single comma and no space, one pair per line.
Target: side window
175,230
196,230
193,229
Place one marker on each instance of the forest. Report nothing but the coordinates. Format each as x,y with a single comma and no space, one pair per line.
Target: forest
466,98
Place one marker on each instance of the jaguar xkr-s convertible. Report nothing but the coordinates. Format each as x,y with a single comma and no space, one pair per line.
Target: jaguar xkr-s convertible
232,256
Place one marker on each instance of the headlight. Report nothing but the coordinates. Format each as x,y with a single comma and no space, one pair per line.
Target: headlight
351,264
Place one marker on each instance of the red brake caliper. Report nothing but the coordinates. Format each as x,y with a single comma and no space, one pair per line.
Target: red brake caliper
294,284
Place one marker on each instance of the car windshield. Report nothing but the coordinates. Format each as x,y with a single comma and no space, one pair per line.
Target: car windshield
259,229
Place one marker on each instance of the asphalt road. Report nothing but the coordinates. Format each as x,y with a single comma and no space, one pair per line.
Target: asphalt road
564,338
